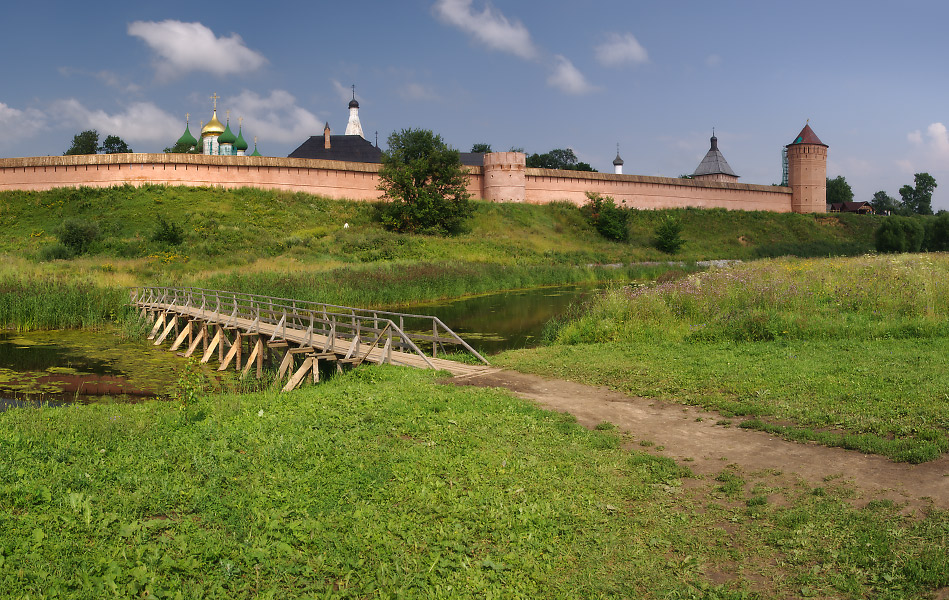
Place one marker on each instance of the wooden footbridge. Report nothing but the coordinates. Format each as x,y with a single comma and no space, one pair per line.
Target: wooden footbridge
295,336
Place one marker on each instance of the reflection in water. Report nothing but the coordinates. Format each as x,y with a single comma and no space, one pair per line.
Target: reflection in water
504,321
54,367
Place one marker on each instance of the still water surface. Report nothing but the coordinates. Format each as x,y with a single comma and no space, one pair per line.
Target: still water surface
496,322
68,366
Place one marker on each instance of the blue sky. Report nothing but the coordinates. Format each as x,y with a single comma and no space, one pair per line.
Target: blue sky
655,77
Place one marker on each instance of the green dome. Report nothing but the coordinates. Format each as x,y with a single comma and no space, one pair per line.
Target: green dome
255,151
240,144
228,136
186,138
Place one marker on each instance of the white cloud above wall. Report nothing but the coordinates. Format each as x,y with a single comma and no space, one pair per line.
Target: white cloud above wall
275,117
138,122
181,48
620,50
488,26
17,125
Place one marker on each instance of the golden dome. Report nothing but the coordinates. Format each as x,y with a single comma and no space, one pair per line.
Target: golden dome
214,127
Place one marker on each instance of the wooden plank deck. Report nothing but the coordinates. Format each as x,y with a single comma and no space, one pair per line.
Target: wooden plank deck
337,347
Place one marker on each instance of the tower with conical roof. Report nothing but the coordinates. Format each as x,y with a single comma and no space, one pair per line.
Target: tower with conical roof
807,172
227,139
618,163
187,140
354,127
714,167
212,131
240,145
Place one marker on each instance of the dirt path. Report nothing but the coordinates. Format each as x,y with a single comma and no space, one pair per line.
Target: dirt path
706,447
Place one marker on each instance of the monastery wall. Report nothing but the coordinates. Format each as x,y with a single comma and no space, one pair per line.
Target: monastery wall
640,191
358,181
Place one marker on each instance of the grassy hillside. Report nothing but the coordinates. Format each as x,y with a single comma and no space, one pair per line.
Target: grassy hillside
227,228
299,245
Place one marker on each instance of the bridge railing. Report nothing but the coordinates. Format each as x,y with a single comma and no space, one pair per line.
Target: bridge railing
408,332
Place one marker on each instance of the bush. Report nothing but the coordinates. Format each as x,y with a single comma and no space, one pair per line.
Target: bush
167,232
937,234
77,235
899,234
56,252
668,235
607,218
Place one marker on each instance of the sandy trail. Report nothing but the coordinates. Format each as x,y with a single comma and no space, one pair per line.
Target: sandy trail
705,447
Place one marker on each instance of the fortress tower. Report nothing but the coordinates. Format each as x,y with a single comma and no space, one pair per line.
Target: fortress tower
505,176
807,172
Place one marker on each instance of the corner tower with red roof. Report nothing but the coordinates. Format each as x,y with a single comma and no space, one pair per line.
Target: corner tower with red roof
807,172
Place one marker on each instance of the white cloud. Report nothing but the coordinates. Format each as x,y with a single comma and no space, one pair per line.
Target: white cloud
489,26
275,117
139,122
184,47
567,78
619,50
713,61
344,92
417,91
17,125
930,150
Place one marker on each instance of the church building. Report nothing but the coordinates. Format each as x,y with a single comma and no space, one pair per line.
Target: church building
349,147
714,167
217,139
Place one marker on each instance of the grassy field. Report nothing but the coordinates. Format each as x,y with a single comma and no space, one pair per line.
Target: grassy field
847,352
383,483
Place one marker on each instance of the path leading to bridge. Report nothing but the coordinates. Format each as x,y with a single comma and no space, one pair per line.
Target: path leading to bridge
692,437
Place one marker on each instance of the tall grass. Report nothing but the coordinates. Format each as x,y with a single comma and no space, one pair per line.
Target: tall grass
375,286
871,297
57,302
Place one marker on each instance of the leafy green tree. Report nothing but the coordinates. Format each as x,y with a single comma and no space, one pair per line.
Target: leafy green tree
668,235
558,158
607,218
919,199
113,144
937,233
899,234
480,147
424,183
883,203
838,190
86,142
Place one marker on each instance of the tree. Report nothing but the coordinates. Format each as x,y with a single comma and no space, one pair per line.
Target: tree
482,148
838,190
113,144
607,218
899,234
424,183
883,203
558,158
919,200
937,233
86,142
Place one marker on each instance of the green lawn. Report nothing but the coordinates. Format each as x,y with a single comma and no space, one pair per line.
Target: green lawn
384,483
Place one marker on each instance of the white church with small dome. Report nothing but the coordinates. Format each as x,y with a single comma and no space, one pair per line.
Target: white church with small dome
217,139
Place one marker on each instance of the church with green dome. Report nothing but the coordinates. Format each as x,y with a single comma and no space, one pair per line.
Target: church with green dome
217,139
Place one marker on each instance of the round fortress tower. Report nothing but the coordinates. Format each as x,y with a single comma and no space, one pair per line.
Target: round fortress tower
807,172
505,176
